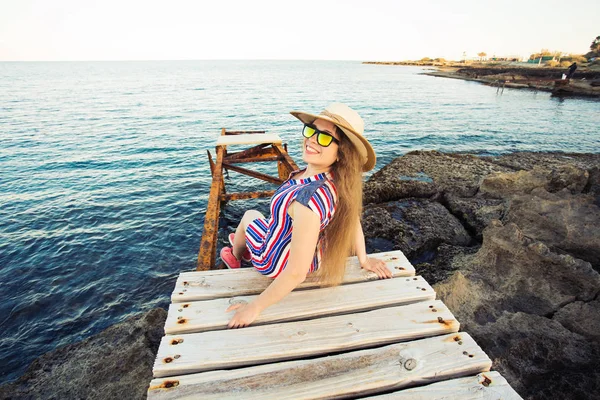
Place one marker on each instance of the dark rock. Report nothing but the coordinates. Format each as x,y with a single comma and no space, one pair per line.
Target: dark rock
395,189
425,173
567,222
582,318
475,213
116,363
547,160
567,177
446,259
540,358
593,186
415,226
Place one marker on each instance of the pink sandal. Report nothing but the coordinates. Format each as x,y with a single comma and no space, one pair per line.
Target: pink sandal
229,259
246,256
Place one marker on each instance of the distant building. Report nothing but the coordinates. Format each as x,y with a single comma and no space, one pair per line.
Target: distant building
545,59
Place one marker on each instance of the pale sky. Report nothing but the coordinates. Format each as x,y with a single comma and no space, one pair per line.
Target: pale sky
65,30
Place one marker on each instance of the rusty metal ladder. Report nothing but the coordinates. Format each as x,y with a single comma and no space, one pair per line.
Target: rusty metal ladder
267,148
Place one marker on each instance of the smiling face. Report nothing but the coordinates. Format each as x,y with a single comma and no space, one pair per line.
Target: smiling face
319,157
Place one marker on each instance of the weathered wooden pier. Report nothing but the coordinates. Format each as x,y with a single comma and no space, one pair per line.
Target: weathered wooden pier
266,148
367,337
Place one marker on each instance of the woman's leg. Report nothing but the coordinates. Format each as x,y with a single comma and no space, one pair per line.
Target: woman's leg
239,242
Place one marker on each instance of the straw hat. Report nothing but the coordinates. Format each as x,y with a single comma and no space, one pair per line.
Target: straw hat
350,123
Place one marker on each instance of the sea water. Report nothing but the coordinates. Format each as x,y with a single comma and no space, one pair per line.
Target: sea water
104,177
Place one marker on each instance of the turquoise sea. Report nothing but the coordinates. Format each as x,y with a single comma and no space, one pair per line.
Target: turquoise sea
104,177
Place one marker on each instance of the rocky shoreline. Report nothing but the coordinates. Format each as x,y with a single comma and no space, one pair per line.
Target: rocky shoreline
583,83
510,243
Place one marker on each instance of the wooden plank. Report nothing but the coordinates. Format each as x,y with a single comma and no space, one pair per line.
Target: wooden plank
213,284
484,386
261,158
207,351
259,150
353,374
247,195
254,174
286,165
209,315
208,246
248,139
240,132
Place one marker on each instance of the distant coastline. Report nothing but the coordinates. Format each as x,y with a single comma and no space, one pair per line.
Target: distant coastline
585,81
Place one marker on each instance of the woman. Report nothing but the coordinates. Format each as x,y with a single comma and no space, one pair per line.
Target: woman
315,215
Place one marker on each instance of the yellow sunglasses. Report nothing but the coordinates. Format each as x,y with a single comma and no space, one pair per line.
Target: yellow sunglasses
323,138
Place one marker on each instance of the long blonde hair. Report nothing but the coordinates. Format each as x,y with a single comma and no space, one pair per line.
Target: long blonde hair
339,235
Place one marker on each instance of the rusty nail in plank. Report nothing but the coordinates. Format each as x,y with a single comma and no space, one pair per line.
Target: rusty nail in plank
486,381
182,321
165,385
186,305
440,320
168,360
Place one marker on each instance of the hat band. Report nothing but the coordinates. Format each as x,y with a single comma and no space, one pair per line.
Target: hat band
339,119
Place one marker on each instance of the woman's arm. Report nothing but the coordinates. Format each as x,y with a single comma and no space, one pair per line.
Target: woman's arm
370,264
305,236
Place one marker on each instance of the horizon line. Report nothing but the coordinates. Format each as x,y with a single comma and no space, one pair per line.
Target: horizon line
192,59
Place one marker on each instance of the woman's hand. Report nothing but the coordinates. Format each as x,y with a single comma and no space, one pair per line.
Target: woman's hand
245,315
377,266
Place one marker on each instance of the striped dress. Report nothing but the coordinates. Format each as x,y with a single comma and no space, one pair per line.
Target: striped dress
269,239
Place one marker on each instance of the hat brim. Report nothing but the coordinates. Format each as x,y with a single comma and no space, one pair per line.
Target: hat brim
359,141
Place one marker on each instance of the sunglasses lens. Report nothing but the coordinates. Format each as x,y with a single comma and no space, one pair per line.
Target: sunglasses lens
324,139
308,131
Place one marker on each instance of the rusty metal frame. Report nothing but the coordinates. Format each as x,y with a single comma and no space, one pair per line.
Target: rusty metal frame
266,152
